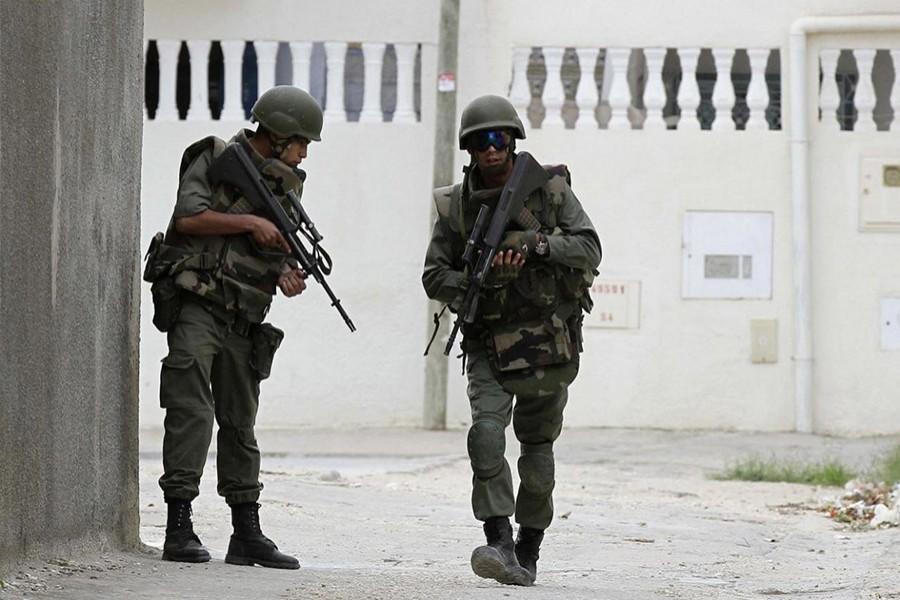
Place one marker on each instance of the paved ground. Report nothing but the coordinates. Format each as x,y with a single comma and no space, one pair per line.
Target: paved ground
383,514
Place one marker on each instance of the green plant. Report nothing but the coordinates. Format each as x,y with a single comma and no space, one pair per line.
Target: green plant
829,472
887,469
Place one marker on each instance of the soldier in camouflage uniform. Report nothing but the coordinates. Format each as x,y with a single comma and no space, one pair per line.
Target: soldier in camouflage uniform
526,338
214,275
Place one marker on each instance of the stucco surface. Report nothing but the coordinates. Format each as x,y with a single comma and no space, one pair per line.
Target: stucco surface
70,150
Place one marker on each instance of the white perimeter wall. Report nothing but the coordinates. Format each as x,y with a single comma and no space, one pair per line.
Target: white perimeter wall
688,364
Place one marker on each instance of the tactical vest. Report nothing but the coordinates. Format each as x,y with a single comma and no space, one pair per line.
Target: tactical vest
231,271
543,289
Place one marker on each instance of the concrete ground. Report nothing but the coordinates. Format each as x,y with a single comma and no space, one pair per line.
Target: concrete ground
384,514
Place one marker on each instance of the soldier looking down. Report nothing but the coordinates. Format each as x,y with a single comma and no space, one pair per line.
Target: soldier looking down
525,339
215,274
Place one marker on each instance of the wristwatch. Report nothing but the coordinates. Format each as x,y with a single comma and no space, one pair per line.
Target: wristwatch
542,248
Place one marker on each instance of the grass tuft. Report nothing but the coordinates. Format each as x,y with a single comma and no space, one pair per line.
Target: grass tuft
830,472
888,467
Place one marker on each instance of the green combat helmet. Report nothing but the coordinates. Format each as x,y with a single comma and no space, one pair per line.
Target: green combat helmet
489,112
288,111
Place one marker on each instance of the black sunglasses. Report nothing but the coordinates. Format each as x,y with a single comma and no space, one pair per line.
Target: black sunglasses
499,139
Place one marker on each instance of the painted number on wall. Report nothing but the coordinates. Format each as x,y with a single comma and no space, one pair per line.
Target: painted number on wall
616,305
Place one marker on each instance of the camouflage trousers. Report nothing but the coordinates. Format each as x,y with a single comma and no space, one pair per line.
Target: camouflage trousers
537,422
208,375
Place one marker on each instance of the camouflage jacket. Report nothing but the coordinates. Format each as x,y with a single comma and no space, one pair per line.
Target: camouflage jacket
228,270
546,287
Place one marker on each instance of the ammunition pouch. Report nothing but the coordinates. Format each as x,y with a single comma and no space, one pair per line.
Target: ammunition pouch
532,344
167,302
535,358
163,262
265,339
166,295
155,268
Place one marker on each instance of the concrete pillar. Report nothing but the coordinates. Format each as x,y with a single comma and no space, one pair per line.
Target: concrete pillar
72,93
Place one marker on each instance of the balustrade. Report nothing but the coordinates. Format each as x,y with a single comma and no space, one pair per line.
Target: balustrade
720,89
854,84
634,83
181,84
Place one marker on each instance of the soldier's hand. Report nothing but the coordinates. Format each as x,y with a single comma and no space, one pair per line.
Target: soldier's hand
291,283
505,268
522,242
265,233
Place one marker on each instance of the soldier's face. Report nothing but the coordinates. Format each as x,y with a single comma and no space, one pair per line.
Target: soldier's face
493,162
295,152
491,152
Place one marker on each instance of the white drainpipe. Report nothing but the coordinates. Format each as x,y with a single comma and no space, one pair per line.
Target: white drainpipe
803,347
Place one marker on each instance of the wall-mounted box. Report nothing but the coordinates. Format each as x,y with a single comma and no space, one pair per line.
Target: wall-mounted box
764,341
879,193
727,254
890,323
617,305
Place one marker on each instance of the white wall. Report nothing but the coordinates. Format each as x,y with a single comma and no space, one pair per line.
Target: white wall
367,190
688,365
373,20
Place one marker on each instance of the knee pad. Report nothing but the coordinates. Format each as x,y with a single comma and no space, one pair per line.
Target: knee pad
537,473
486,444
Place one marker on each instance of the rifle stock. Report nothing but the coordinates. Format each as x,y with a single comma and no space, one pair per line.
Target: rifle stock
234,167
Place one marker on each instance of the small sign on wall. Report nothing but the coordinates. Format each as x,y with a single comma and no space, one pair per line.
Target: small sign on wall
617,305
890,323
727,254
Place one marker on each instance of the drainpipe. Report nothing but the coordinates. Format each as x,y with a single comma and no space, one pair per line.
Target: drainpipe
803,347
434,413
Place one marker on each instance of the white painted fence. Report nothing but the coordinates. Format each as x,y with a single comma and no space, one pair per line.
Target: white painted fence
273,61
689,116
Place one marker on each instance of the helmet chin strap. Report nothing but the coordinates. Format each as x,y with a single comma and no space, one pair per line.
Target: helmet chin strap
279,146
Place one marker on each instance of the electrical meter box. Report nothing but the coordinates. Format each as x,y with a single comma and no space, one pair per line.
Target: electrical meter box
727,254
879,193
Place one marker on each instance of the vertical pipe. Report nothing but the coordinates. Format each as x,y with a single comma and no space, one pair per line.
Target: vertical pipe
803,359
803,341
434,413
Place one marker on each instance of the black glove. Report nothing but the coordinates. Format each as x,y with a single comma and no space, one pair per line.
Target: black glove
502,274
523,242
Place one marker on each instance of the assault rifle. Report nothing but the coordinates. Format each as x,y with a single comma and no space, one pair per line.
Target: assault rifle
234,167
526,177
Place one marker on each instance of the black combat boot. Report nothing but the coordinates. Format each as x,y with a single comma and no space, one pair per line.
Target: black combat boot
528,545
249,546
181,544
497,560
